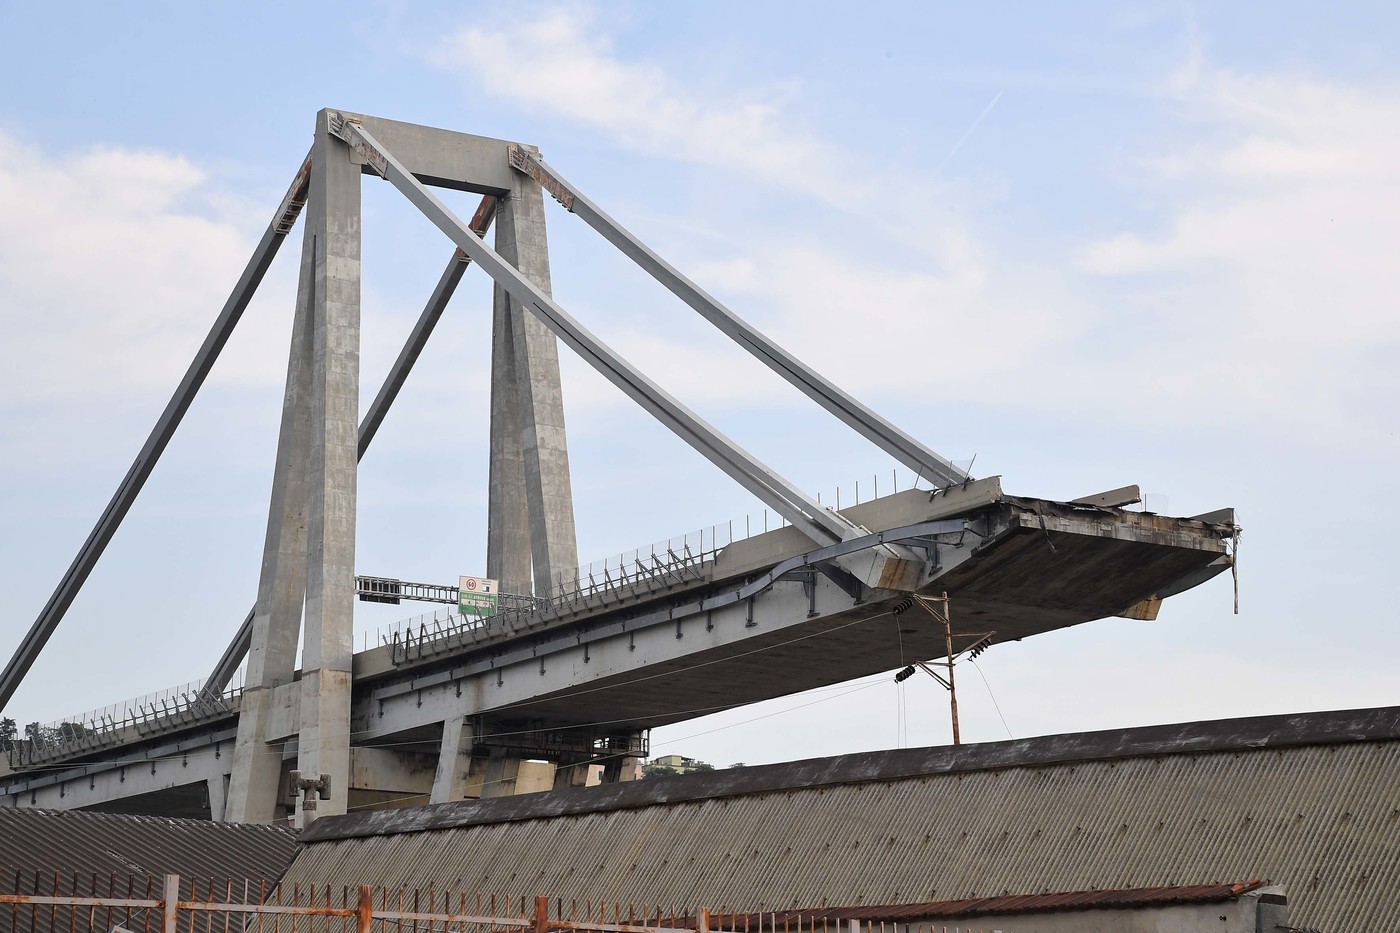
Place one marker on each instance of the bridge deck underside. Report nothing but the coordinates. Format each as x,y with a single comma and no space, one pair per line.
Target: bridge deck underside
1029,582
1046,566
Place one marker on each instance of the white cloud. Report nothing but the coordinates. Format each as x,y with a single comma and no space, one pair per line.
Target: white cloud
111,273
1264,290
873,324
1273,274
572,72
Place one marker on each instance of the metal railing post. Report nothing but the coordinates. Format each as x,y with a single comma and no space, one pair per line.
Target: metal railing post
541,914
364,909
170,906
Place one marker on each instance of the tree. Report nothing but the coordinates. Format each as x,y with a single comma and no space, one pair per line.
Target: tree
8,731
656,771
738,764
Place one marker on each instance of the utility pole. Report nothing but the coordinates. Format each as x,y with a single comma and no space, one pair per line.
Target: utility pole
938,607
952,684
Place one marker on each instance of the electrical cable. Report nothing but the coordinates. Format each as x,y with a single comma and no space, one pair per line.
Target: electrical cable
995,704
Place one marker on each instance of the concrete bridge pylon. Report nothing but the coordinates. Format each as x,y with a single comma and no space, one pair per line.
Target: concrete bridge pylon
577,674
308,566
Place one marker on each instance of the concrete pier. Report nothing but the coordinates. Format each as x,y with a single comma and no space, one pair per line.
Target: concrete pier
531,543
257,764
334,225
309,551
454,765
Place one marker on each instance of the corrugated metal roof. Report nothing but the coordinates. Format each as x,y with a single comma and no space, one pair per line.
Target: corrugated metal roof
103,844
1121,898
1321,819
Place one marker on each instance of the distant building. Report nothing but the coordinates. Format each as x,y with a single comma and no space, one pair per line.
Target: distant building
674,764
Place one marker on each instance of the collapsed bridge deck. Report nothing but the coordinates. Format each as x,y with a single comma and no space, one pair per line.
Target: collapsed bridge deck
759,619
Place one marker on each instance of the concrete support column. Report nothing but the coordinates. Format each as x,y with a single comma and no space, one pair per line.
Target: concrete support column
257,765
525,359
476,777
566,776
501,772
334,225
619,770
508,517
453,775
217,788
507,775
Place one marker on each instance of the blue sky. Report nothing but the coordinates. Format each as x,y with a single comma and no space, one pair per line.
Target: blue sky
1089,244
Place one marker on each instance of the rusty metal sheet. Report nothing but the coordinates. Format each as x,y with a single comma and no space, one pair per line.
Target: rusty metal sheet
1306,801
108,844
1005,904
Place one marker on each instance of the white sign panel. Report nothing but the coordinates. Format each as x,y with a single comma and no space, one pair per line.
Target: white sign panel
476,596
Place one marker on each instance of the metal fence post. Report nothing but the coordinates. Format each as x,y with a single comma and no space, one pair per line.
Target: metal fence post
364,909
171,905
541,914
703,922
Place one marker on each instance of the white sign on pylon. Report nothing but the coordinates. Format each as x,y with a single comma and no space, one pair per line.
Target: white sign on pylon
476,596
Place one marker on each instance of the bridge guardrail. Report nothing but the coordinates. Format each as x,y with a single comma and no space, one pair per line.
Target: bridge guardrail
185,705
661,566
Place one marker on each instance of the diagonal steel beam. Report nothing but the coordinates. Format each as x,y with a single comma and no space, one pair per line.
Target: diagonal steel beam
803,512
237,649
47,622
870,425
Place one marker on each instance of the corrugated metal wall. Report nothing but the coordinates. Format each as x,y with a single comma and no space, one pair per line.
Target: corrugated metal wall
106,844
1322,820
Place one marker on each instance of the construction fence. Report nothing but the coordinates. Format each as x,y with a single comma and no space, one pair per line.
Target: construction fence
57,903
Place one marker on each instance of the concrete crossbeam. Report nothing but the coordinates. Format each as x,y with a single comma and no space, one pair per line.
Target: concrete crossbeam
445,158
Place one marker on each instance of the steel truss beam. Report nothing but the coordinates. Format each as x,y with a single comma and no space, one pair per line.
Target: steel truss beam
43,628
804,513
237,649
870,425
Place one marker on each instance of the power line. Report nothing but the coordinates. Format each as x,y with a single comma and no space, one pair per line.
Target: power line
995,705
